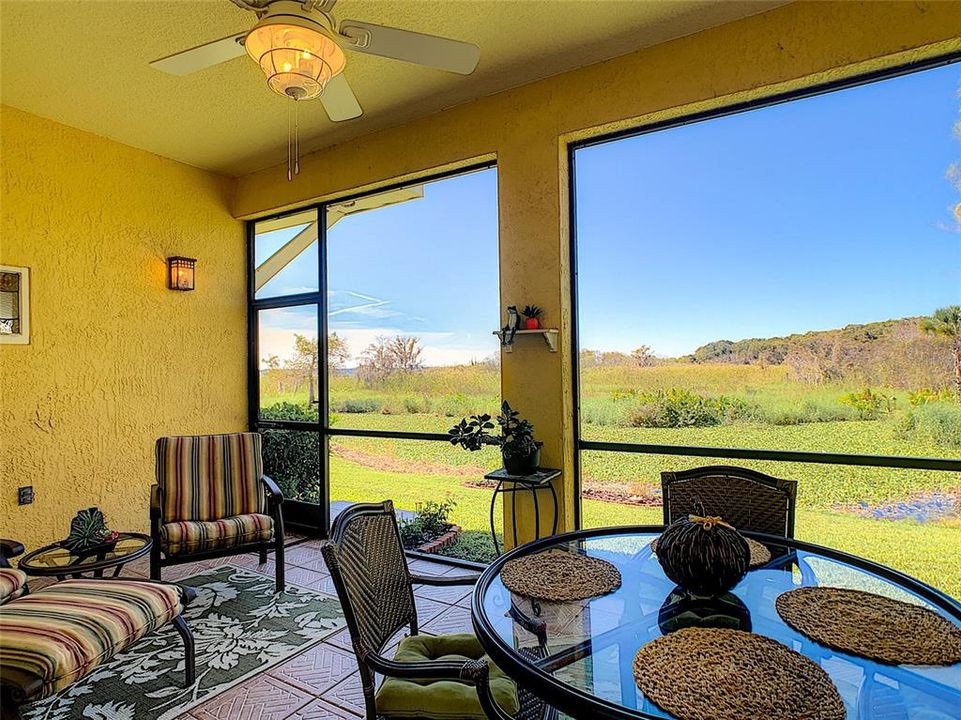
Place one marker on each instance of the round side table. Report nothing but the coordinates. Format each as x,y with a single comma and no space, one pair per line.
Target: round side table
56,561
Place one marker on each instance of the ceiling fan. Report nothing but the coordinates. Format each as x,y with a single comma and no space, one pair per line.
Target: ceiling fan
300,48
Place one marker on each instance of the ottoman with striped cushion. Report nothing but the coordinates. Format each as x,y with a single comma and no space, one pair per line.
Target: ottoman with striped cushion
53,637
13,584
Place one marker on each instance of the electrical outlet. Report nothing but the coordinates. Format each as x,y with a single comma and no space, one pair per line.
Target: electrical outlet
25,495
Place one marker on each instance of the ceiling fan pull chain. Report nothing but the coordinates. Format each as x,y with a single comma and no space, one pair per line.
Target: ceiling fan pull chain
290,145
296,139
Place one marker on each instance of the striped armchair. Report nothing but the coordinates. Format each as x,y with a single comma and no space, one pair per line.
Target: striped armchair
211,500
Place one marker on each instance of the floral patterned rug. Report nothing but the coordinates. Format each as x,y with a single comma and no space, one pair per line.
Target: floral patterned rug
240,628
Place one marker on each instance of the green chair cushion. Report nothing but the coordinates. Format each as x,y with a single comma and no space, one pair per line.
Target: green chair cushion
442,699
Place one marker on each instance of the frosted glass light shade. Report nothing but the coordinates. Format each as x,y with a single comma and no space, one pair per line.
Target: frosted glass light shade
298,61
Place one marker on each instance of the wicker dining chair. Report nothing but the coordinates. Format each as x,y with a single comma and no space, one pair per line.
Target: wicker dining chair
747,499
429,677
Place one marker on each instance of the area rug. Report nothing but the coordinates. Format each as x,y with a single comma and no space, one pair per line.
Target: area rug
240,628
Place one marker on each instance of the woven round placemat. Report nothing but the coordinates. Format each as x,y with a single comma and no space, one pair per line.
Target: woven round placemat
715,674
871,626
760,555
560,576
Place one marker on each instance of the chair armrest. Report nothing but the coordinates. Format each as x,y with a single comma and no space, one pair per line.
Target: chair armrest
273,492
9,549
478,672
444,580
415,670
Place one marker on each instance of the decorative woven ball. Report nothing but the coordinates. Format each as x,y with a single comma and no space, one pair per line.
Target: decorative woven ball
703,555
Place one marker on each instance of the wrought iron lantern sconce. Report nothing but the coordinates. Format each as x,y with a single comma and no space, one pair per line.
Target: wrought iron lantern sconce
180,273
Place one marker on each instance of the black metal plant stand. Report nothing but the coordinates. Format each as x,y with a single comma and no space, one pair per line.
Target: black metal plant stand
513,484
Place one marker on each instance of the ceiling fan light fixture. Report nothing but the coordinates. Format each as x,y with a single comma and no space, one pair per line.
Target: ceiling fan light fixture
295,54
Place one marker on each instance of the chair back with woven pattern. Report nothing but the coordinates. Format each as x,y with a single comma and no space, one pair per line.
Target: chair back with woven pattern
209,477
366,560
747,499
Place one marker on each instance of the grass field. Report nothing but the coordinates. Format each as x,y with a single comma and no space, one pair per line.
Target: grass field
727,405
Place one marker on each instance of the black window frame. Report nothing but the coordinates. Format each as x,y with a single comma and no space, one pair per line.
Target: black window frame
300,515
733,453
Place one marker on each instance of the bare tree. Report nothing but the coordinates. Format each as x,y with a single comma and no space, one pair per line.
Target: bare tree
388,355
406,353
643,356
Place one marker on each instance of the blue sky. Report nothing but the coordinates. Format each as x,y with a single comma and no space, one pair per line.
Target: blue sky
808,215
427,268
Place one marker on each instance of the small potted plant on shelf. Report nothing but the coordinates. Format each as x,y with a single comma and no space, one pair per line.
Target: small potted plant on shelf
520,452
533,314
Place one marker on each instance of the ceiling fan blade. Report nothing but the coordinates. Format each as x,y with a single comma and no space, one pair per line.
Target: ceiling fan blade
339,100
412,47
202,56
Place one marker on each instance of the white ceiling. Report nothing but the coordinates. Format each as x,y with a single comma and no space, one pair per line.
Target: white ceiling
84,64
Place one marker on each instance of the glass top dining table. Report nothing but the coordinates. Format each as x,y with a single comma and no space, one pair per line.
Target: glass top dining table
578,656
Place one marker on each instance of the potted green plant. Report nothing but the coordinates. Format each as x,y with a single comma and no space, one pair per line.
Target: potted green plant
533,314
520,452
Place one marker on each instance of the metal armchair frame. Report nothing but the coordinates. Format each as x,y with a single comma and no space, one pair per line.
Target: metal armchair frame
369,632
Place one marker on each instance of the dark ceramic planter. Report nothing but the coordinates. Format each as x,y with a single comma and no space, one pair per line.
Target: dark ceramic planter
523,464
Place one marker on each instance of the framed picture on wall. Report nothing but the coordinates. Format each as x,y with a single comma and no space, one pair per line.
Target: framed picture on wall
14,305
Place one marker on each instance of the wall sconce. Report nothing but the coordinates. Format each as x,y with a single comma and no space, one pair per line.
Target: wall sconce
180,271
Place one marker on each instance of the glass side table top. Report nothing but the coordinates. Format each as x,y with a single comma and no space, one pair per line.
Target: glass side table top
585,669
54,560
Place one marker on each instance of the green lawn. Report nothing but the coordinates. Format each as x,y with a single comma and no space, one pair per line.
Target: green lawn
772,411
928,552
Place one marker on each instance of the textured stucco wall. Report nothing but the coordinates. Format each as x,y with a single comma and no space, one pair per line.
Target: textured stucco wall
527,129
115,359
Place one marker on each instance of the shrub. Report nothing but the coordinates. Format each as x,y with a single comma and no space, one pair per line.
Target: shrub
938,422
868,403
292,457
923,396
357,405
474,545
679,408
430,522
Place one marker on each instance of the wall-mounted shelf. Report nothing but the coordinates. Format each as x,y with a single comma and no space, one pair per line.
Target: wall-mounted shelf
549,335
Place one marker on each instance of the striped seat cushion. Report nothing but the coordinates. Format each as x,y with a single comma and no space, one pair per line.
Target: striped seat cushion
208,477
178,538
56,636
13,583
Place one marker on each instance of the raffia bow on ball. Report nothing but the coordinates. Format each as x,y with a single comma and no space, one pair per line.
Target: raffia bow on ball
703,554
709,521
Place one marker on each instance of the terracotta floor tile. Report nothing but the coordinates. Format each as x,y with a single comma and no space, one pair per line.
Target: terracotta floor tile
325,585
261,698
427,610
341,639
318,669
302,576
450,594
306,556
319,710
425,567
453,620
347,694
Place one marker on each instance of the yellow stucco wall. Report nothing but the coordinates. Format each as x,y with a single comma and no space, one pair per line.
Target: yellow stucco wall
527,129
115,358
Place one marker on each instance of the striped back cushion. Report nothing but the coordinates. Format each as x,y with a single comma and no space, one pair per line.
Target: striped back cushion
208,477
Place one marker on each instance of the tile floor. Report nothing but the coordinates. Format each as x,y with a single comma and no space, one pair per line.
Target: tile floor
323,681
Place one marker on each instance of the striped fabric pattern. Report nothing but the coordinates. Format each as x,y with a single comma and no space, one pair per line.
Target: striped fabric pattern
56,636
208,477
13,583
185,537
